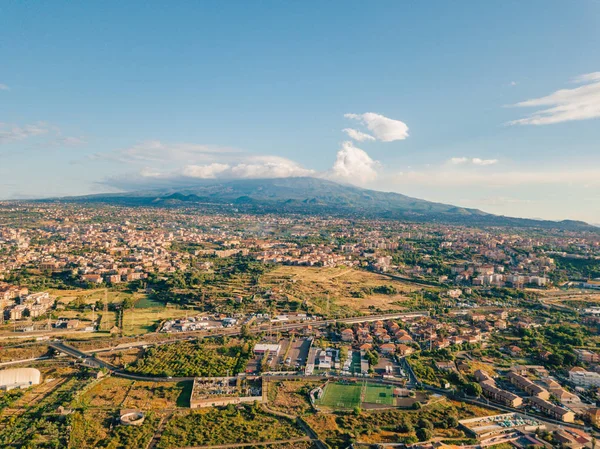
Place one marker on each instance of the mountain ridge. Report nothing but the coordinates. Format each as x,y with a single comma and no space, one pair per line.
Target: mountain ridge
317,196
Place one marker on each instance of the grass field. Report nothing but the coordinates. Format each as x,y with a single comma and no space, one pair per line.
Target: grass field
340,284
379,394
340,396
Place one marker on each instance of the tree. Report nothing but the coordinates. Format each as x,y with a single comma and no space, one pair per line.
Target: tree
405,426
473,389
425,424
424,434
127,303
452,421
416,406
556,359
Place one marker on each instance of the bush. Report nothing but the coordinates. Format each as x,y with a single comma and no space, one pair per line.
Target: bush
424,434
425,424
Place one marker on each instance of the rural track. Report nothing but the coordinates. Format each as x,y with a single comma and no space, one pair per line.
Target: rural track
262,443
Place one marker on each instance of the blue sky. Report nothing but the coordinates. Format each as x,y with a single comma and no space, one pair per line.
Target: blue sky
100,96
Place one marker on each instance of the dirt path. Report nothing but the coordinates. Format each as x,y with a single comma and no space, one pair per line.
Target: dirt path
263,443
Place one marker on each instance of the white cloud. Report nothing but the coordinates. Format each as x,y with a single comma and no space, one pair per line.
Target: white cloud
171,165
269,167
588,77
474,161
4,87
52,135
383,128
354,165
478,161
358,135
10,133
209,171
155,151
565,105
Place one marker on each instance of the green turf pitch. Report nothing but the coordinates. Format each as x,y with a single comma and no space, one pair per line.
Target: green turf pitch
379,394
340,396
347,396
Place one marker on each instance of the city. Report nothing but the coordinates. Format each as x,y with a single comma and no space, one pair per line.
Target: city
149,312
299,225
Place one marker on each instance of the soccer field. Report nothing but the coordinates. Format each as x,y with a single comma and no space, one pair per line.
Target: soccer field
348,396
341,396
379,394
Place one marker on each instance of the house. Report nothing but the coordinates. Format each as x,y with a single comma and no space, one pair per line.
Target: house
583,378
593,414
528,386
583,355
482,376
554,411
404,350
92,278
445,365
73,324
387,348
502,396
348,335
515,351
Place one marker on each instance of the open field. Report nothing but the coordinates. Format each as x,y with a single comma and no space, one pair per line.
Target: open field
138,321
245,424
117,393
290,396
90,296
349,290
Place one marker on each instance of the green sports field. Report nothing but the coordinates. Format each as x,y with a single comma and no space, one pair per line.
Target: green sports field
342,396
379,394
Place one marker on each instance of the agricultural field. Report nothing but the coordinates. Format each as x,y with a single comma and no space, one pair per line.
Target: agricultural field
143,317
349,290
245,424
123,393
32,420
91,429
194,359
8,353
79,297
147,317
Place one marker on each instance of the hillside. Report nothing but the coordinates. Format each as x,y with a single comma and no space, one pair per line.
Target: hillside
306,195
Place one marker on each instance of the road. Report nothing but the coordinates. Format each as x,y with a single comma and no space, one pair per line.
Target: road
89,359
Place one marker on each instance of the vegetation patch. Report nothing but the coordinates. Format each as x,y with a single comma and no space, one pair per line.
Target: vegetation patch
198,359
243,424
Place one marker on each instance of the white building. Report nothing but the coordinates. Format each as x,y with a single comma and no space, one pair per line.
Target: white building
585,379
262,348
19,378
